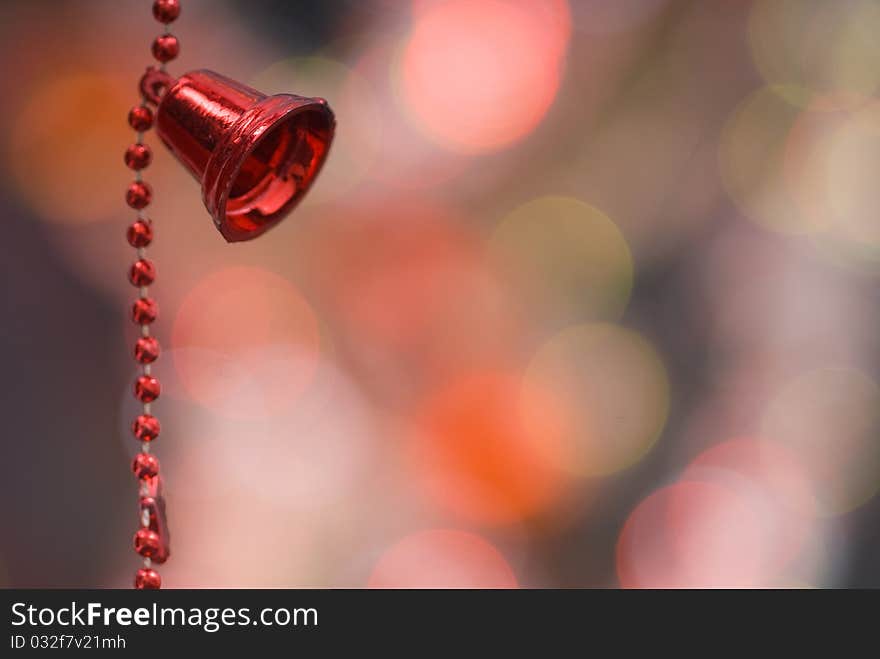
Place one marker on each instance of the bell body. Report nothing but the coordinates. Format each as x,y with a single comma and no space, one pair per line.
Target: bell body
255,155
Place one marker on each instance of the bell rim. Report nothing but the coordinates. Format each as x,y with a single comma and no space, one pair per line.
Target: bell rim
240,142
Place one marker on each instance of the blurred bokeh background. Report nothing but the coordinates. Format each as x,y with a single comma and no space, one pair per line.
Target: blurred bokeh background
586,295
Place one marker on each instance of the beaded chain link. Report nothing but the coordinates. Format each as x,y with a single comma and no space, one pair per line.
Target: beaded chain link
150,540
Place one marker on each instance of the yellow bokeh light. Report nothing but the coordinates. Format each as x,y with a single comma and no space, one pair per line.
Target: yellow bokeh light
824,47
830,419
831,156
565,258
752,158
852,177
614,388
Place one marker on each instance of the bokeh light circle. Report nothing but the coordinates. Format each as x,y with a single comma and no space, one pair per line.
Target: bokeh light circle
831,419
246,342
564,258
854,161
423,248
830,157
486,448
614,387
418,305
311,459
806,159
775,483
72,122
407,159
477,76
442,558
818,46
752,158
694,534
552,17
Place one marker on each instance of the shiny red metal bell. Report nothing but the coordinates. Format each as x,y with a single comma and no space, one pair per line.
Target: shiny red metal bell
255,155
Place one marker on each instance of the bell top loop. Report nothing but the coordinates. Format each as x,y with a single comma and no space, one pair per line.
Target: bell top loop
154,83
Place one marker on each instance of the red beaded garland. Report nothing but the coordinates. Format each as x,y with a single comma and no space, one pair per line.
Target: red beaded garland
138,156
145,465
144,311
140,118
140,233
147,579
166,11
142,272
139,194
146,350
146,427
147,388
147,543
165,47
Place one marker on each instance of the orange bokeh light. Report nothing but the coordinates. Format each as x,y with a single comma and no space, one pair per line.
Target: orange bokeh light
442,558
51,122
477,76
488,446
246,342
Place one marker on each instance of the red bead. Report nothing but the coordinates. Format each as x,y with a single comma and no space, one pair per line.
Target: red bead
145,465
144,310
147,543
146,350
147,579
139,194
166,11
140,118
138,156
146,427
140,233
147,388
142,272
166,47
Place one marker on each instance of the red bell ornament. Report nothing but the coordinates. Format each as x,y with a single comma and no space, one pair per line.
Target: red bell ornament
255,155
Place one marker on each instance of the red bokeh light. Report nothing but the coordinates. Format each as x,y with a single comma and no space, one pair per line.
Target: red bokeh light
773,479
457,47
412,294
695,534
442,558
246,342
